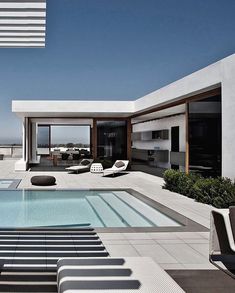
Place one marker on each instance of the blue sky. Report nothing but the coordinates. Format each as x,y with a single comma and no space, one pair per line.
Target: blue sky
114,49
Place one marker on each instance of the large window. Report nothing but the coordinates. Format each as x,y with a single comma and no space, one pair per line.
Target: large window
205,136
62,137
69,136
112,139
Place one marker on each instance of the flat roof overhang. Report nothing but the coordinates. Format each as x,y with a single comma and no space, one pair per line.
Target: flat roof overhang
73,109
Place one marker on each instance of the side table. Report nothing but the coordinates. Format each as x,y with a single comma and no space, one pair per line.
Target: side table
96,168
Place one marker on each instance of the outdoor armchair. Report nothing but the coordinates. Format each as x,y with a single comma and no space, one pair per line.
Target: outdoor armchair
222,240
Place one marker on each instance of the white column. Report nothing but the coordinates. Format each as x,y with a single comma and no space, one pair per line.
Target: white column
21,165
34,142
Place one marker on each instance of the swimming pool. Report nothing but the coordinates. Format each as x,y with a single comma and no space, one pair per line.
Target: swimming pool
9,183
71,208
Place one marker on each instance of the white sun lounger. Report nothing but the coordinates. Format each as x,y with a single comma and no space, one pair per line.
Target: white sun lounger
112,275
80,167
114,170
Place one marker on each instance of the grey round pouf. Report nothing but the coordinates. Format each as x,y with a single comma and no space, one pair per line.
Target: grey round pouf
43,180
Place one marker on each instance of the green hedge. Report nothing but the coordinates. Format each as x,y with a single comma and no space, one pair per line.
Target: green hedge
219,192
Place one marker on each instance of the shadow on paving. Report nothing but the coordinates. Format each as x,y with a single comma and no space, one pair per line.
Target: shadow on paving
203,281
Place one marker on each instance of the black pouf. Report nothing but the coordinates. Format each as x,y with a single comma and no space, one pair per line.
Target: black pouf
43,180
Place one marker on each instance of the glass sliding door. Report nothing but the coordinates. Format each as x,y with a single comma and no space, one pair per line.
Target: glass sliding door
70,136
43,139
112,139
205,136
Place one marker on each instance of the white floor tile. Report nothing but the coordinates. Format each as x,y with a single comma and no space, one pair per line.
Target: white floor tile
121,250
185,254
159,254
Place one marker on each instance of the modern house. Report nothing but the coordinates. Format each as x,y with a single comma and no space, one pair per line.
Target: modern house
187,125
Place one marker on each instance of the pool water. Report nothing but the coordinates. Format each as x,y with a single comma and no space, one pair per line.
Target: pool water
71,208
5,183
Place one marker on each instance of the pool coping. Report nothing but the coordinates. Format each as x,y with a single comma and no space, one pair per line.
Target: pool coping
15,183
188,225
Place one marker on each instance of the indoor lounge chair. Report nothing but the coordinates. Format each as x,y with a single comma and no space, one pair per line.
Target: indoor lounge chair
84,165
118,167
222,240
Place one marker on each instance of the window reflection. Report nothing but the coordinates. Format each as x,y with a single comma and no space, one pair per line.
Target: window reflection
112,139
205,136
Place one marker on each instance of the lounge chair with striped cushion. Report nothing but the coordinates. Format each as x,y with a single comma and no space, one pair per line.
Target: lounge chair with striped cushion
84,165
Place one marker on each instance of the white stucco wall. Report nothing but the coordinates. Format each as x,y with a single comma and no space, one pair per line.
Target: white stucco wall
164,123
197,82
11,151
228,117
